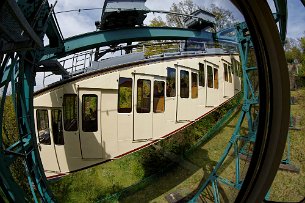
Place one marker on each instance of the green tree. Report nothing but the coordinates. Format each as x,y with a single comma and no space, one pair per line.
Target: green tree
224,17
158,46
157,22
295,52
184,7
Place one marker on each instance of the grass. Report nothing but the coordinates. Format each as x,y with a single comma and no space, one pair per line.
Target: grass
291,186
98,184
184,180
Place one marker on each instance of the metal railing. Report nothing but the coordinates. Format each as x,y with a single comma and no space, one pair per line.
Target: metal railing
79,63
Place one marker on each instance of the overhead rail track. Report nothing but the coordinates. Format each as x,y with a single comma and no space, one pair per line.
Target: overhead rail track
18,72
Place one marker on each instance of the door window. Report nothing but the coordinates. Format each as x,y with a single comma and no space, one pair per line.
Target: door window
171,82
43,129
143,96
194,85
57,129
210,76
230,73
201,75
159,101
89,113
184,84
226,76
70,112
215,78
125,95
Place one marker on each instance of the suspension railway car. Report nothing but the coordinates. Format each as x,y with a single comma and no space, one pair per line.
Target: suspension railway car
109,112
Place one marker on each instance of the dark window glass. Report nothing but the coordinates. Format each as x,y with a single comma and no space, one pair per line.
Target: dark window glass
201,75
226,76
240,72
230,73
215,78
171,82
194,85
143,96
159,100
43,129
184,84
125,95
210,76
57,130
70,112
89,113
234,64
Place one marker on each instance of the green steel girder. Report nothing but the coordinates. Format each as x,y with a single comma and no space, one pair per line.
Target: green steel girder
281,17
104,38
249,100
39,14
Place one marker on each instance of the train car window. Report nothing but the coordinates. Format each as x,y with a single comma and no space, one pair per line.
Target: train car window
57,129
194,85
234,64
143,96
43,129
225,67
125,95
171,82
201,75
239,69
89,113
70,112
159,100
230,73
210,76
184,84
215,78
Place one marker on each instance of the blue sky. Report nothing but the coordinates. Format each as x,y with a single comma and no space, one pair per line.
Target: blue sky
81,22
296,19
76,23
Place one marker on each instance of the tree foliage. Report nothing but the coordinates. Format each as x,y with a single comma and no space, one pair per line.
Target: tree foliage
157,22
185,7
295,52
224,17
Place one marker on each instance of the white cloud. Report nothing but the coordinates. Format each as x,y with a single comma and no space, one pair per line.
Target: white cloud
74,23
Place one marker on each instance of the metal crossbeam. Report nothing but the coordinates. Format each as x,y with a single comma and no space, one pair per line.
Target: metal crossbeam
249,100
17,70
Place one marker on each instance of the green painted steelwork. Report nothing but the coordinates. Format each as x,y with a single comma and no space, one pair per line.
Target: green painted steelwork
17,79
250,99
281,17
105,38
18,71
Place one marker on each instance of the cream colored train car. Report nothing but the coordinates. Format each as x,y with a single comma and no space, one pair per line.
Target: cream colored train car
108,113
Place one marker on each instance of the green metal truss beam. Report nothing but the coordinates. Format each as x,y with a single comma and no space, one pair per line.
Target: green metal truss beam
104,38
